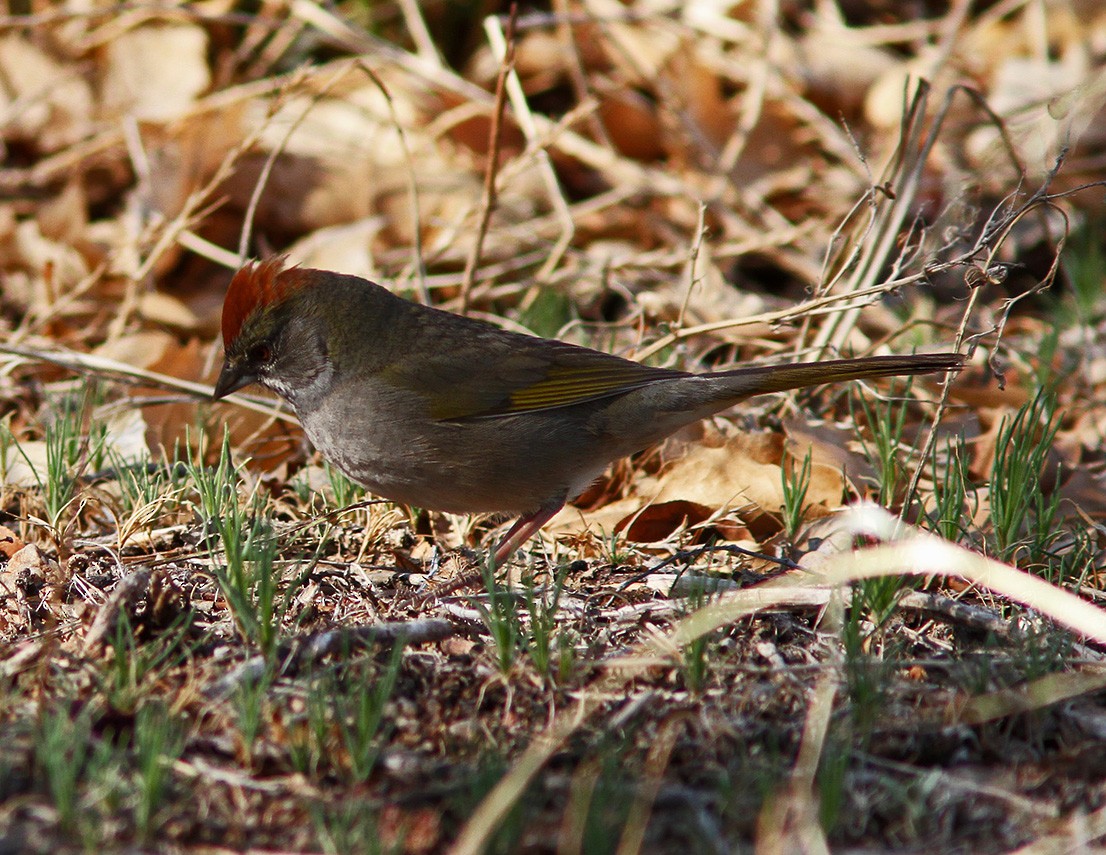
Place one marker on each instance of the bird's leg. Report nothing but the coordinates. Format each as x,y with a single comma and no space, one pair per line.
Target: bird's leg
525,527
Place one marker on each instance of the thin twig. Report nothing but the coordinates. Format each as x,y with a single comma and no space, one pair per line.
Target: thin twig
495,138
420,34
693,274
277,151
298,651
88,363
531,128
419,260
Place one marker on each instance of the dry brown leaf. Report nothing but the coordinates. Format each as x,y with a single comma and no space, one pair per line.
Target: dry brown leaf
32,562
632,123
344,249
660,520
1085,489
166,310
10,542
540,62
638,52
836,465
24,464
126,433
698,90
776,147
742,473
267,442
984,446
54,266
64,217
42,100
140,349
883,104
602,521
156,351
745,471
155,72
168,423
184,154
979,391
1087,431
345,162
839,69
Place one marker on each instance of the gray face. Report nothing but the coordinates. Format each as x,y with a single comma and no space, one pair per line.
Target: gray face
284,351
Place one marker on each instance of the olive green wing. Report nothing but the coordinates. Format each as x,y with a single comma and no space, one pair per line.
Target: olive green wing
576,376
520,374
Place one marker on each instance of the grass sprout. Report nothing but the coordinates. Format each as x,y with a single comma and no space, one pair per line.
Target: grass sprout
795,482
1022,511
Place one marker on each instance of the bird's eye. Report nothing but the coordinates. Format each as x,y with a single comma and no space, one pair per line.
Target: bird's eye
260,353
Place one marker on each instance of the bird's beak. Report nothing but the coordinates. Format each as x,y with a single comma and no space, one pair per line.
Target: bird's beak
232,378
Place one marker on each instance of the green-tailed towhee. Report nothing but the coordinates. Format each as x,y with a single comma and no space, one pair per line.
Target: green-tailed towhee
450,413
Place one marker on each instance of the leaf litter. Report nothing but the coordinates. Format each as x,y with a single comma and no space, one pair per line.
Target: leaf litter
674,664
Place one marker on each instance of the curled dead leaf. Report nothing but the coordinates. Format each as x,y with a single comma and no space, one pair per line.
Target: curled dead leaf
658,521
10,542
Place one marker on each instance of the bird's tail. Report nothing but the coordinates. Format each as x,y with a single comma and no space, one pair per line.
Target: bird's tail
759,380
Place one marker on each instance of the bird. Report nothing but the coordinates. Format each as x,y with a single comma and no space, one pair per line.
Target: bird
451,413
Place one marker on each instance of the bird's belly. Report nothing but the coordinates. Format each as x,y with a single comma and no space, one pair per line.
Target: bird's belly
471,467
